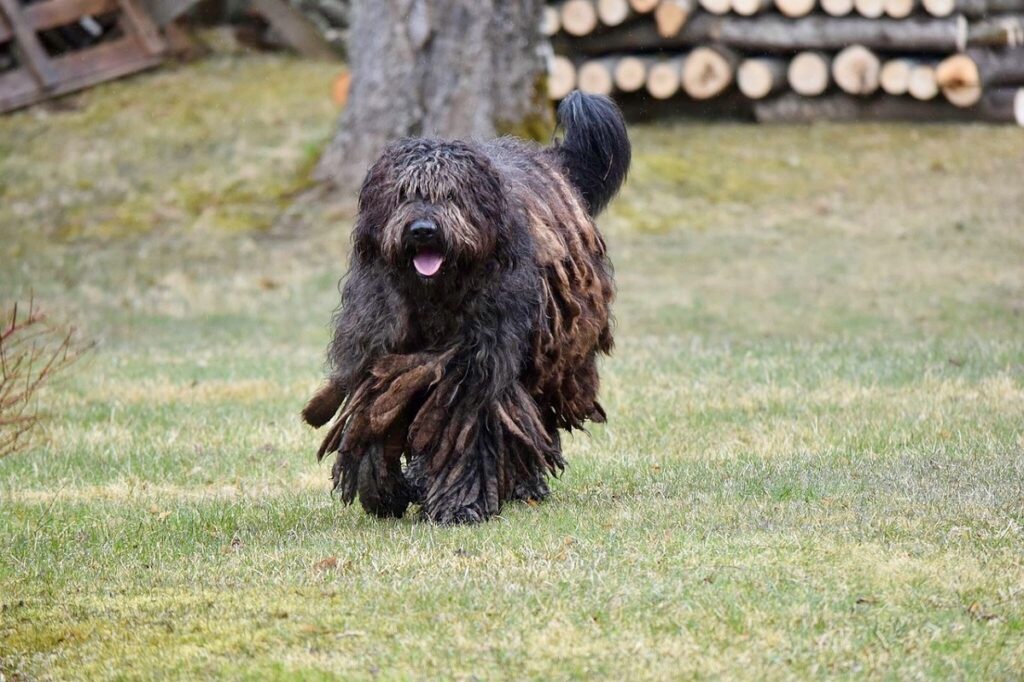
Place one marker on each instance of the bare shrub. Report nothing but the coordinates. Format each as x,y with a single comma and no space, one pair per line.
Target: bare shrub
32,352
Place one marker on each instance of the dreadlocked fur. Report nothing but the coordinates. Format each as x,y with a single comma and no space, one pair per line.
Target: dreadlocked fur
475,306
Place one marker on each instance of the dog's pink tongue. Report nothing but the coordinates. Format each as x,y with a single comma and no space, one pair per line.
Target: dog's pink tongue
427,263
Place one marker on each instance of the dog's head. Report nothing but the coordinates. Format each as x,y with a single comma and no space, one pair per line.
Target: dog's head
430,209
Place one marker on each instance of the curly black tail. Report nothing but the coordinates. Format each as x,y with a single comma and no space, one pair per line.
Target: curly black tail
596,149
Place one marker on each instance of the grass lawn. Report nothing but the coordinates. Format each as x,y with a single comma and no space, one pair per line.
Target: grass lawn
813,465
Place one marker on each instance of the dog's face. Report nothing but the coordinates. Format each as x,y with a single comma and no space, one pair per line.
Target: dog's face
431,209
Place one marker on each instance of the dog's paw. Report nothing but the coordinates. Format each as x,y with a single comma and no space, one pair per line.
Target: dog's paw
382,493
458,516
532,490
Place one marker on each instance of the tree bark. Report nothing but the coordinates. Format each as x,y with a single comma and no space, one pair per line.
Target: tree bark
974,9
773,33
445,68
841,107
999,106
1002,105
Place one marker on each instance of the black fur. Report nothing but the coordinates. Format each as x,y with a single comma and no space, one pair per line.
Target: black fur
596,149
468,373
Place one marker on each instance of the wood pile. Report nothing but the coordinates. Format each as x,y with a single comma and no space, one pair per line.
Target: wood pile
52,47
795,60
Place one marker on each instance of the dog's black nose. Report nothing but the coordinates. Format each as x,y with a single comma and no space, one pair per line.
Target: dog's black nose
422,230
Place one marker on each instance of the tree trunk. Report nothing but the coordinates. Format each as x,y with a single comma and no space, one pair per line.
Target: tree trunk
445,68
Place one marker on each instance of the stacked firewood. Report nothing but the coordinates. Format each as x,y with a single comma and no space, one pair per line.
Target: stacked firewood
796,60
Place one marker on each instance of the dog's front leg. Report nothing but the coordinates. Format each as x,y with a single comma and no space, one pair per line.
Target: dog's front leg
382,487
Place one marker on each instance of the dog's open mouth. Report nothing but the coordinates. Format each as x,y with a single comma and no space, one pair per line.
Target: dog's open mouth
427,262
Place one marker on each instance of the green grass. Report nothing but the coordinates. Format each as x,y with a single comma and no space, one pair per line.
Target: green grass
813,466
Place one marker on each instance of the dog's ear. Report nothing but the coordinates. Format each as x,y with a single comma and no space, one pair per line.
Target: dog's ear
322,407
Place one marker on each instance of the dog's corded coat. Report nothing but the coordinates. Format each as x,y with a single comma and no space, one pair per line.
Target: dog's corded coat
470,373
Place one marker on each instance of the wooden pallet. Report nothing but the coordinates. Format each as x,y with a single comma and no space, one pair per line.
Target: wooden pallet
39,75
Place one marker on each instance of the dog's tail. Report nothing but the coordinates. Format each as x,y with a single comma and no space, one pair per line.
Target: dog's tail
596,149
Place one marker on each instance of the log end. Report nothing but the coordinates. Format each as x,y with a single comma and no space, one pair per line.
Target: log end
754,78
595,77
808,74
795,8
856,69
561,77
959,79
663,79
707,73
922,84
629,74
579,17
894,78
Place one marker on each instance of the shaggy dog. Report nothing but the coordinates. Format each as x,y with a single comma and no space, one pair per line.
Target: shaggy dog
475,306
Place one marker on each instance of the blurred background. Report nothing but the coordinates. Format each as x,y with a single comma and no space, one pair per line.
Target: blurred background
814,454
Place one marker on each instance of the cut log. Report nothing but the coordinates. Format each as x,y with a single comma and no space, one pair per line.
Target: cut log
959,80
837,8
871,9
595,76
999,106
808,73
772,33
718,7
795,8
643,6
642,107
899,9
939,8
922,84
840,107
708,71
894,78
578,17
1002,105
550,21
613,12
561,77
759,77
665,78
973,9
748,8
855,70
630,73
962,77
671,16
